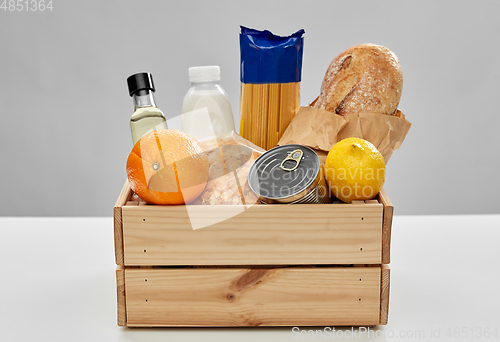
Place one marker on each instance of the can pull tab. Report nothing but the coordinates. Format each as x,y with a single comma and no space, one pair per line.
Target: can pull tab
296,156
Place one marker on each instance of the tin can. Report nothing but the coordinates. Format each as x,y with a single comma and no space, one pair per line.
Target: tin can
289,174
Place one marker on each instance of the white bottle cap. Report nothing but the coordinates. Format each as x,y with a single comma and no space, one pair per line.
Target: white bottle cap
204,74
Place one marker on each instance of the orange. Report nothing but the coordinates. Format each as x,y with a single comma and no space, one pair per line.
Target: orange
167,166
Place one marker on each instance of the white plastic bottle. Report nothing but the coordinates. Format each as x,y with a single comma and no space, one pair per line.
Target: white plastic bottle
205,92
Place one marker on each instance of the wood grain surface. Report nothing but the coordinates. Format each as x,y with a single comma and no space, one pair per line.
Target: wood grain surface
261,235
387,226
117,225
286,296
384,294
120,296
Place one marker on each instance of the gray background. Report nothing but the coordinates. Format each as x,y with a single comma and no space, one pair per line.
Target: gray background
64,131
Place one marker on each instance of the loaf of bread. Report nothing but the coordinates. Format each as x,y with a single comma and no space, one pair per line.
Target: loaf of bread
364,78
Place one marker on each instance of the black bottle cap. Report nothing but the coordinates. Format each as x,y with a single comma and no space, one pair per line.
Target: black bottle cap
140,81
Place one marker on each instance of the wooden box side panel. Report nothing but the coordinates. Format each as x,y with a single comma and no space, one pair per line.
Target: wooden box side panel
120,296
388,214
118,222
261,235
290,296
384,293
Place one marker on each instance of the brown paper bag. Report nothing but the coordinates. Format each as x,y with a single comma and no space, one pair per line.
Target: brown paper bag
321,129
313,127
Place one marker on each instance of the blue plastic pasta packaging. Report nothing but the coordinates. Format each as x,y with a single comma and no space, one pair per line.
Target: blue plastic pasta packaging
270,74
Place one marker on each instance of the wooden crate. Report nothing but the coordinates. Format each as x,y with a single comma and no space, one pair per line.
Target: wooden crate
269,265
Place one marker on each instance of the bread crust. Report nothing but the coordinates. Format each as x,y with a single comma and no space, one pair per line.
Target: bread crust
364,78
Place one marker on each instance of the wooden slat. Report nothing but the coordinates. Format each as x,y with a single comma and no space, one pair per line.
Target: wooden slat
253,297
118,226
384,294
386,226
261,235
120,296
125,195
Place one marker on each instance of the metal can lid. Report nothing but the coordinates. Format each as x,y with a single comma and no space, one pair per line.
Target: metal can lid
284,171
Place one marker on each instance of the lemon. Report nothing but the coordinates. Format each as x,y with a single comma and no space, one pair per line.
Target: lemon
355,170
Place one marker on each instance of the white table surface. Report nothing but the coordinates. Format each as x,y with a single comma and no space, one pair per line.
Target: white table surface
58,284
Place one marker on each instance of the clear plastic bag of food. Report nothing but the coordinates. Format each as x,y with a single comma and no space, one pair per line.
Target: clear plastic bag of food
230,158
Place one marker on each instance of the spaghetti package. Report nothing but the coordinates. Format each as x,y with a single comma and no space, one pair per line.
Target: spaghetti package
270,73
